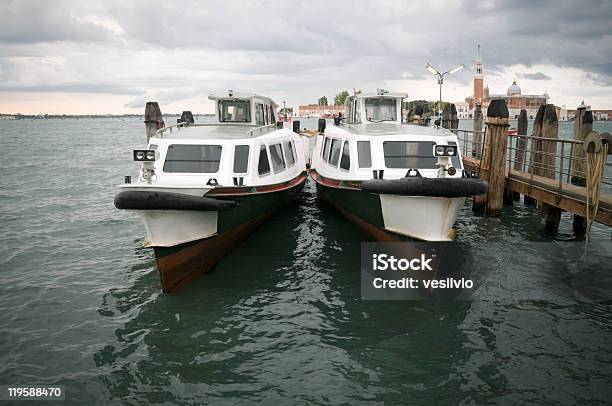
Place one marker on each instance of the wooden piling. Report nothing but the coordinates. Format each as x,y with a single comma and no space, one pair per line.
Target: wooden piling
550,134
521,147
535,154
446,116
454,124
153,119
187,117
417,114
583,125
535,150
477,133
493,163
426,117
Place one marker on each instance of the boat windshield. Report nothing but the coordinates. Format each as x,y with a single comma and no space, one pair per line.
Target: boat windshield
235,111
381,109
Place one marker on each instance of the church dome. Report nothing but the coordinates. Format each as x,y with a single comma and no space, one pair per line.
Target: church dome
514,89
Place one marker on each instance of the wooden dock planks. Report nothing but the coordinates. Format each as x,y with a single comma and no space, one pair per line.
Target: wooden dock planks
569,197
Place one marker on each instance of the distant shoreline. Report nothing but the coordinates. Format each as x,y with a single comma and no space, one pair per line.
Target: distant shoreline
4,116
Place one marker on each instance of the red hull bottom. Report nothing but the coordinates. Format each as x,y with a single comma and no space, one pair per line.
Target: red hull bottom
178,268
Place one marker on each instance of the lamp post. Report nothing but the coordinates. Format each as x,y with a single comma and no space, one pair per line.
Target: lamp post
284,110
434,71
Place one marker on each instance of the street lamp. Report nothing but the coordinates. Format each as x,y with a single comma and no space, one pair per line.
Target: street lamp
434,71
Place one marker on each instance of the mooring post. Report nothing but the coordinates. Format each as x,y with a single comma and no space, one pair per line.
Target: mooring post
493,164
477,132
417,113
535,154
426,118
550,135
187,117
521,146
153,119
583,125
446,116
454,120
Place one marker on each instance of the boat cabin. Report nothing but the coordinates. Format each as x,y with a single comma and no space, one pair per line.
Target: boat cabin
244,109
243,146
374,108
372,142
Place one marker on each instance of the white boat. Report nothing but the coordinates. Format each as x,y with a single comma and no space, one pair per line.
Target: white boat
394,180
203,187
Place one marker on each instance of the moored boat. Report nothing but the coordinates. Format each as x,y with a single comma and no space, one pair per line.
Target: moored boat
394,180
204,187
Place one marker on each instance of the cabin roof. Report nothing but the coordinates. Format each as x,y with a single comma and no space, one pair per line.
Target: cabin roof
216,132
394,129
368,95
238,95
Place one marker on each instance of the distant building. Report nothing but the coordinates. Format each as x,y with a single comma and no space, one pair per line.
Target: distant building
562,113
314,110
602,114
514,98
463,110
598,115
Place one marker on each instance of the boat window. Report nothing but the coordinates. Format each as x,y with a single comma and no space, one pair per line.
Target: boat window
334,154
356,115
272,118
263,167
193,158
364,154
409,154
289,153
276,154
381,109
237,111
241,158
266,110
345,161
259,114
326,149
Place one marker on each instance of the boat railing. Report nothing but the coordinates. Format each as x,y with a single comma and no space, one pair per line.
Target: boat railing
551,157
251,133
262,130
180,125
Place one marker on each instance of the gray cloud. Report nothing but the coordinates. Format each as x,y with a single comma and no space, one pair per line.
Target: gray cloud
534,76
26,22
300,49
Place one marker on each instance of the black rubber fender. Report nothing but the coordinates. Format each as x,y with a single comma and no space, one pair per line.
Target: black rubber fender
432,187
146,200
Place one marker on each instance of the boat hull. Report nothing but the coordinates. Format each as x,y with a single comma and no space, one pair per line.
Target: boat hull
179,264
387,217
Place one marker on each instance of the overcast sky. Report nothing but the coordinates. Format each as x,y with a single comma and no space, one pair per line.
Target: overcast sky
113,56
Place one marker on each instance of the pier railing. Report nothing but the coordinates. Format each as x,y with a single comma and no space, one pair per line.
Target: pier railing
562,164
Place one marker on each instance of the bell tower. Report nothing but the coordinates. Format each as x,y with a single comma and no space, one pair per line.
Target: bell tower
478,78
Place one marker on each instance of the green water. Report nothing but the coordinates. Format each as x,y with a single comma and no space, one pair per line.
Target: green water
281,320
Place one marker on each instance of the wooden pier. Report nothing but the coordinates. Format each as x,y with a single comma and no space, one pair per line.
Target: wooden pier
547,171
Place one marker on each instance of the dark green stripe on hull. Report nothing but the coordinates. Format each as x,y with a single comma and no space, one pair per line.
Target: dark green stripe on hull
363,205
250,206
